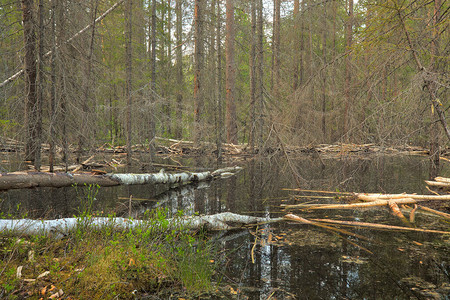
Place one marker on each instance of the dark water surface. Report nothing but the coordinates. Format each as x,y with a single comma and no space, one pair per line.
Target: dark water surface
291,261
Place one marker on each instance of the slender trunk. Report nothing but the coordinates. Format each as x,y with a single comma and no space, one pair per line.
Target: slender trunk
260,74
179,64
198,70
152,125
324,72
31,101
230,74
168,108
52,131
219,98
348,78
162,82
61,82
296,45
252,66
129,72
276,48
434,65
85,106
302,44
40,87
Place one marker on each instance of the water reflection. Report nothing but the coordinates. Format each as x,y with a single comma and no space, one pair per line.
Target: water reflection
288,260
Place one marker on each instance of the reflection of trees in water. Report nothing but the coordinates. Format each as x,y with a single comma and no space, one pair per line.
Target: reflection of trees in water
181,198
306,270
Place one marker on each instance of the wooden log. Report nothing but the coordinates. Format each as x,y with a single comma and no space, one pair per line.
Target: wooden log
373,197
442,179
380,202
20,180
60,227
438,184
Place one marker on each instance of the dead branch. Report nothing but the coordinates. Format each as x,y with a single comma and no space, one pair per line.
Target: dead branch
379,226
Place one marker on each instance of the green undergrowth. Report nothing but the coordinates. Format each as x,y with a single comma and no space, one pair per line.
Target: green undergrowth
107,263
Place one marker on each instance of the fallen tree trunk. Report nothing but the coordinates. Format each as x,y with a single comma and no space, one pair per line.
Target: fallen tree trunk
373,197
380,202
221,221
20,180
440,184
60,227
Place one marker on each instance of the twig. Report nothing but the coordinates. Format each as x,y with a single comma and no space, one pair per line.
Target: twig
318,191
412,214
253,248
437,212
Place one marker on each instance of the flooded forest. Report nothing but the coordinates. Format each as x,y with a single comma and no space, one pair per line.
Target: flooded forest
251,149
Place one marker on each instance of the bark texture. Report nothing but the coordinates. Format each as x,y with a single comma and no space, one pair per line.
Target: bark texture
60,227
21,180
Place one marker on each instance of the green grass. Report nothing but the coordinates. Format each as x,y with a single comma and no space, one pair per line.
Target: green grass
107,263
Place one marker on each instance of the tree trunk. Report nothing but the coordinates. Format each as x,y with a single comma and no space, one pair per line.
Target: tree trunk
198,70
152,125
324,72
86,104
218,75
434,128
20,180
296,44
39,87
252,67
276,48
31,98
260,74
129,73
179,66
348,78
62,83
60,227
52,116
230,74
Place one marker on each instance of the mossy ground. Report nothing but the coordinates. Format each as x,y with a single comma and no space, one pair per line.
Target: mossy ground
107,263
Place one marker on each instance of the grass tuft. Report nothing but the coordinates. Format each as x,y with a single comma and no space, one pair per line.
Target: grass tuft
104,262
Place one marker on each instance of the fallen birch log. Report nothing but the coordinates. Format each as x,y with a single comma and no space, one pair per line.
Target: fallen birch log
373,197
60,227
442,179
379,202
20,180
438,184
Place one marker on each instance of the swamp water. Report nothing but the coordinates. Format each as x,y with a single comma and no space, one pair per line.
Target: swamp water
286,260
